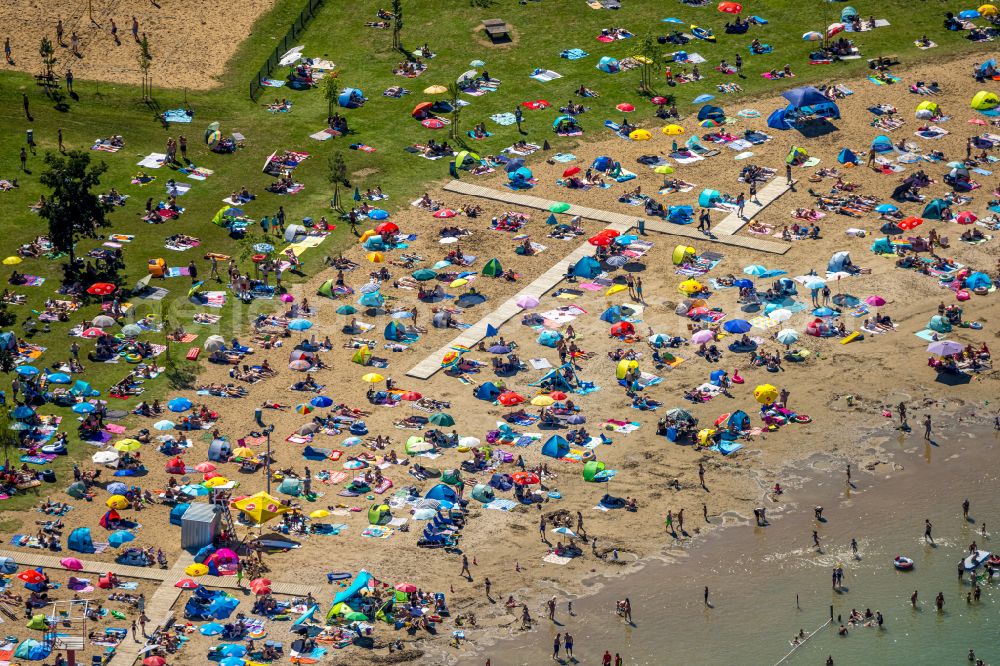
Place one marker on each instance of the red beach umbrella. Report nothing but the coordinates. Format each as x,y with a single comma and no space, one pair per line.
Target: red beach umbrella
626,107
572,171
101,289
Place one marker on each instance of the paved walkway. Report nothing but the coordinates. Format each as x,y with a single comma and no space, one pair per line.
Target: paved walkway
724,234
159,607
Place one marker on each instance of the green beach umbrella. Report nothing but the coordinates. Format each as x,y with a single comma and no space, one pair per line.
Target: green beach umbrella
346,310
442,419
560,207
424,274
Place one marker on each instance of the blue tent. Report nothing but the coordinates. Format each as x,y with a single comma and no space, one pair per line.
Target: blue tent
487,391
176,512
372,299
514,164
883,246
934,210
978,281
394,331
349,98
709,112
777,120
80,541
587,267
603,163
442,493
549,338
8,565
521,174
847,156
707,198
840,261
609,65
806,96
374,243
680,214
612,315
848,14
738,420
881,144
555,447
560,119
32,650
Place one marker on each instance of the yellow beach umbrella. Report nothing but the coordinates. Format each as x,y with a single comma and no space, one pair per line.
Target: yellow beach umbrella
460,282
127,445
319,513
988,10
196,569
260,507
614,289
243,452
542,400
640,135
117,502
435,90
664,169
690,286
705,435
372,378
765,394
215,482
673,130
10,261
376,257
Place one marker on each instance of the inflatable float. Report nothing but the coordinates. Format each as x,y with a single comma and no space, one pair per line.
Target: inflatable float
902,563
975,560
702,33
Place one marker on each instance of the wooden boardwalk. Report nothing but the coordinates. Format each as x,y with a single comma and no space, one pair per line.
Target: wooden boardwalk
732,223
724,234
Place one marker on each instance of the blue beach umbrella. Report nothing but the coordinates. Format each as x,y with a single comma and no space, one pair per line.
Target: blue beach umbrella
179,405
673,20
824,312
263,248
756,270
164,425
737,326
701,99
321,401
299,325
232,650
120,537
969,14
84,408
886,208
211,629
27,370
22,412
378,214
59,378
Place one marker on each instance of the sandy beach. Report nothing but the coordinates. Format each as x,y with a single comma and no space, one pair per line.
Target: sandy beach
844,389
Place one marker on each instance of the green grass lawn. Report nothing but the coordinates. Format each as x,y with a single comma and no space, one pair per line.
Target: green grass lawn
365,59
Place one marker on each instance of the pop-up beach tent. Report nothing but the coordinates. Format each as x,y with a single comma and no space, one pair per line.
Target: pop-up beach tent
555,447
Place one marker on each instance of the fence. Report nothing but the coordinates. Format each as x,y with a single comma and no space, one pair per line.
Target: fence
297,28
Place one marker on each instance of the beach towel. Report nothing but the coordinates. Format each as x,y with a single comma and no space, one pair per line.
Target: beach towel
178,116
544,75
573,54
504,118
152,161
893,79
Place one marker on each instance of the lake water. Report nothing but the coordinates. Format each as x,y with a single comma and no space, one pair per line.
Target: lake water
756,574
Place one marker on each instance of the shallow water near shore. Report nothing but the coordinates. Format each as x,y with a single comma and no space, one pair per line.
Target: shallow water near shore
757,576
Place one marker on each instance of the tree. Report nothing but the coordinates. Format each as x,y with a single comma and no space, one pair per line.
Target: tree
9,439
397,23
456,110
337,175
73,208
145,62
48,55
649,55
331,90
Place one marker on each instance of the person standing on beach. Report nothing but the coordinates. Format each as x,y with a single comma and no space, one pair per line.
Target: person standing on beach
816,539
928,425
965,509
24,103
24,159
680,521
465,568
69,81
927,531
901,408
6,50
618,659
551,603
568,645
556,644
706,595
670,521
701,476
939,601
913,599
135,29
638,290
59,32
488,585
704,511
541,526
741,201
606,659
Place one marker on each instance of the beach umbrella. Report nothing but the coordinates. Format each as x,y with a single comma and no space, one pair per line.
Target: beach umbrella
205,467
117,502
211,628
781,314
260,507
436,89
663,169
834,28
600,240
84,408
572,171
640,135
12,261
625,107
27,370
737,326
469,442
709,123
194,490
510,398
410,396
812,36
690,286
559,207
525,478
787,336
319,513
71,563
346,310
910,223
890,229
378,214
432,123
131,331
617,261
102,321
155,660
875,301
92,332
969,14
259,584
215,481
126,445
756,270
765,394
702,337
542,400
372,378
104,457
460,282
120,537
243,452
945,348
672,130
406,588
299,325
31,577
527,301
885,208
179,405
387,228
321,401
22,412
477,63
301,365
730,7
263,248
659,101
187,584
375,257
701,99
445,213
987,10
442,420
164,425
101,289
824,312
966,217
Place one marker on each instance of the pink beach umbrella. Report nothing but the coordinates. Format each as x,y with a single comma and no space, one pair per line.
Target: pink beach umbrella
287,298
702,337
71,563
875,301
